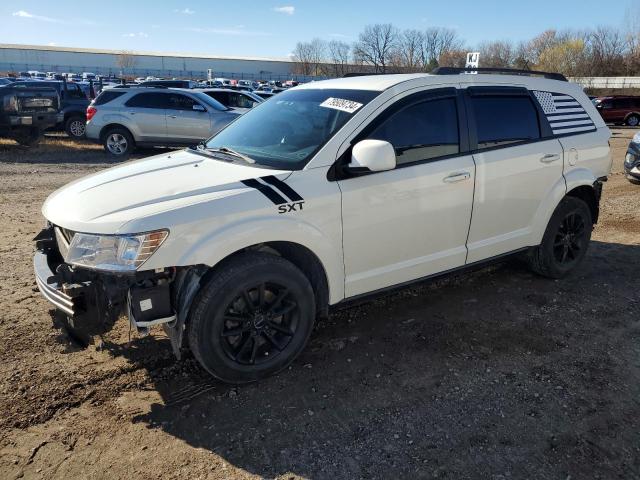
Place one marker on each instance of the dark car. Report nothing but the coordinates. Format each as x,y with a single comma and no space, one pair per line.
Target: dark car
632,160
619,109
26,112
73,104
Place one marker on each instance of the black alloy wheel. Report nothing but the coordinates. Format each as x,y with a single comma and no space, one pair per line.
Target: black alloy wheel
259,324
570,239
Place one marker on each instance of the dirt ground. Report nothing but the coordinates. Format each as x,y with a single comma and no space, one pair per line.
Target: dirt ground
498,374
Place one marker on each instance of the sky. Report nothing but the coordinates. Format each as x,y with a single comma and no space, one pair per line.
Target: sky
268,28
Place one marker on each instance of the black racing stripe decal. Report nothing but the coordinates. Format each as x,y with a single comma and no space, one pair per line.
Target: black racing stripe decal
266,190
283,187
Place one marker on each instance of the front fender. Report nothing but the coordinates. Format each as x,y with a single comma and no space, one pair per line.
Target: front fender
219,244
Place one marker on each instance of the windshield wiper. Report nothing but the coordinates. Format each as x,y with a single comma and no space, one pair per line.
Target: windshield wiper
230,151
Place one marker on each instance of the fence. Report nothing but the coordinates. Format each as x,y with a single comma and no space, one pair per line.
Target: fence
607,82
145,72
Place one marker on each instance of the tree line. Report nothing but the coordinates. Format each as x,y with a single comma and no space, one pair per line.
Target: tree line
383,48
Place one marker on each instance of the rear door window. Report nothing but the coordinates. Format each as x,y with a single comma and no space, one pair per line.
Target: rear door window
149,100
504,120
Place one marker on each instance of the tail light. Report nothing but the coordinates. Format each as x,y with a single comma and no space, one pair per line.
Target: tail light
91,111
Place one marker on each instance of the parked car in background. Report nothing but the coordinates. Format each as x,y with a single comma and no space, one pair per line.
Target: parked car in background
238,100
38,75
619,109
169,83
632,160
123,118
25,112
263,94
24,75
73,104
88,76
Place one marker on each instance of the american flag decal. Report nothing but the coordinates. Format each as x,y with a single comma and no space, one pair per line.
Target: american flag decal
564,113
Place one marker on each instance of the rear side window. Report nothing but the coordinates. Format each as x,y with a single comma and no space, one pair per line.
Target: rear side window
503,120
149,100
422,131
106,96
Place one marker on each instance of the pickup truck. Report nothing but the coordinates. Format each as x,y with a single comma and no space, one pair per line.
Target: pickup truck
73,105
26,112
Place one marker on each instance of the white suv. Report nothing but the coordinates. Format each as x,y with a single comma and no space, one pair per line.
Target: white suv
337,190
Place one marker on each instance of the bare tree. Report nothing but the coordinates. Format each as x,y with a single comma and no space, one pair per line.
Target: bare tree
497,54
125,60
376,45
309,57
607,49
438,41
409,50
339,56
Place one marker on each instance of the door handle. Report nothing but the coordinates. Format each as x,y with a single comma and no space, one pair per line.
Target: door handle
132,113
457,177
173,116
550,157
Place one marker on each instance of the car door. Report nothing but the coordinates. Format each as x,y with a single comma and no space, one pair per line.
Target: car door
412,221
187,120
516,168
146,115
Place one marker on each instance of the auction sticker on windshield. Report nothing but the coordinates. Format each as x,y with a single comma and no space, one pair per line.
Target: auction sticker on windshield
348,106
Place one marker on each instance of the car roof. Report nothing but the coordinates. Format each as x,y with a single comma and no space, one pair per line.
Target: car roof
386,81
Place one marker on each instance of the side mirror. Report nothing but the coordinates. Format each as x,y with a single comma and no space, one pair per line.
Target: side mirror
373,156
199,108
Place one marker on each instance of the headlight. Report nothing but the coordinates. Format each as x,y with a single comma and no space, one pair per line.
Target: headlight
636,138
118,253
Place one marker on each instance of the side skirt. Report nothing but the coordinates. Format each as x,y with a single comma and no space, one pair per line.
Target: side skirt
366,297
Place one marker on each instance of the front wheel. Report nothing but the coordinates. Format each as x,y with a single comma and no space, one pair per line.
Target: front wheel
565,240
252,318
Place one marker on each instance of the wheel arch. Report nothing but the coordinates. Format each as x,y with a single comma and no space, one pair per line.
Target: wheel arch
109,126
634,113
301,256
589,195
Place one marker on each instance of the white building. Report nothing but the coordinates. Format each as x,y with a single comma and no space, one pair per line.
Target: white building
14,58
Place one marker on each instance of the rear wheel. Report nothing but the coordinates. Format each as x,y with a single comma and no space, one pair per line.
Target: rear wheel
118,142
75,127
565,240
252,318
632,120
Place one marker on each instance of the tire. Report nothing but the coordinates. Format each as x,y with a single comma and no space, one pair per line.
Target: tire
27,137
75,127
270,333
118,142
565,240
632,120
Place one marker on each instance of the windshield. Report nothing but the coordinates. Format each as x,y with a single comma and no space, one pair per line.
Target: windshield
289,129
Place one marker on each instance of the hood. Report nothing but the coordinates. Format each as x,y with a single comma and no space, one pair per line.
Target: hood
103,202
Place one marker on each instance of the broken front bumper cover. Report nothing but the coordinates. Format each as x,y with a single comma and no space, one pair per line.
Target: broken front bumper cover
50,287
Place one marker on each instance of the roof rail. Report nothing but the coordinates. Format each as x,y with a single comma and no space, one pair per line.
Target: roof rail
507,71
363,74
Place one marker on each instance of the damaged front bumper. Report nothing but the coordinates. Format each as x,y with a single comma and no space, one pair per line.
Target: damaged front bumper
95,299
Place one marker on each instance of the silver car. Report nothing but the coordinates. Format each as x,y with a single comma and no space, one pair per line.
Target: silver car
123,118
238,100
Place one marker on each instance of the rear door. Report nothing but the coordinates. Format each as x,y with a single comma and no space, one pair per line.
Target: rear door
146,112
187,120
516,168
